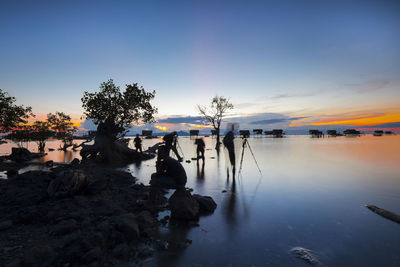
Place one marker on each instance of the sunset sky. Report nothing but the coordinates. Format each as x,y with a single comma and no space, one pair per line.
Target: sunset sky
282,63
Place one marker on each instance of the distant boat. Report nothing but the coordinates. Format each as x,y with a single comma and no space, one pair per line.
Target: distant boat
389,132
378,133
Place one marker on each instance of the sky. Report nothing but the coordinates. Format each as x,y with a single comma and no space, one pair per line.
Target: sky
283,64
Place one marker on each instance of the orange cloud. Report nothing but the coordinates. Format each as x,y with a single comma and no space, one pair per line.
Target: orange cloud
162,128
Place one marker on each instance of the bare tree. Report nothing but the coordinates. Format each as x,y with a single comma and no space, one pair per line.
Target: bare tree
215,112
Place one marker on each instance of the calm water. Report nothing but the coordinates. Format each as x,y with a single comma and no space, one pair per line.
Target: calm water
311,194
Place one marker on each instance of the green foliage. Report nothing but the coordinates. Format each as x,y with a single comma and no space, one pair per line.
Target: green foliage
20,136
40,132
118,110
11,115
62,125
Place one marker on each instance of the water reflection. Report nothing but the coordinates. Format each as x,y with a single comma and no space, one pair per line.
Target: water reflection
312,194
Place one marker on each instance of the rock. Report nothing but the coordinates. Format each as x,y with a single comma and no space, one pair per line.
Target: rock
51,149
164,220
70,181
92,255
97,239
188,161
96,185
12,172
128,226
224,191
49,163
65,227
206,203
4,225
75,162
122,252
384,213
183,206
146,219
306,255
42,255
162,245
15,263
20,154
146,253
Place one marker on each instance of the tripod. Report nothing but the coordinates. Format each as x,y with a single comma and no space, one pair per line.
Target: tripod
245,142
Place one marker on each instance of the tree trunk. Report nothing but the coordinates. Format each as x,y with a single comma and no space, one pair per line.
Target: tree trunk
108,149
217,146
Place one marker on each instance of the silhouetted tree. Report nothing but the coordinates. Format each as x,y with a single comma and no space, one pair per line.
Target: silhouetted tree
12,115
114,112
61,123
215,112
21,135
40,132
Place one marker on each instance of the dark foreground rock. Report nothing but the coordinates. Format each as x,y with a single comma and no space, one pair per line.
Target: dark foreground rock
384,213
74,216
206,203
21,154
183,206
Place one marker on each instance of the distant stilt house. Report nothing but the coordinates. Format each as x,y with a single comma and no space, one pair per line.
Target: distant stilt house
244,133
257,131
148,134
333,133
277,133
213,132
351,132
378,133
389,132
316,133
194,133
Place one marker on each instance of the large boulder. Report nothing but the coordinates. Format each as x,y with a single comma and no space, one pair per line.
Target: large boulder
206,203
183,206
21,154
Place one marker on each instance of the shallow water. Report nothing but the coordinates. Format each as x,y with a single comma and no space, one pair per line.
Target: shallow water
311,194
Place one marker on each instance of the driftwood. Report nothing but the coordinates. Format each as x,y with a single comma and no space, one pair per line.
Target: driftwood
384,213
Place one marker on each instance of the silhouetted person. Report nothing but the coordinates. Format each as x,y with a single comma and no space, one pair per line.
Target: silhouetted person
169,174
200,148
171,140
138,143
228,143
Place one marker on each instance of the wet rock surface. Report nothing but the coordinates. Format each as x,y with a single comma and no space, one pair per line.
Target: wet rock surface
306,255
74,216
206,203
183,206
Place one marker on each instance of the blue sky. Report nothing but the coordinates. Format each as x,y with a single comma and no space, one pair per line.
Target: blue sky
313,59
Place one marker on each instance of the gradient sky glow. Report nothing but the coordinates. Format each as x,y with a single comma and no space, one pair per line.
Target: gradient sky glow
329,62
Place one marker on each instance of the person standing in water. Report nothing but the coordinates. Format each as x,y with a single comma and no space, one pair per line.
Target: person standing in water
228,143
138,143
200,148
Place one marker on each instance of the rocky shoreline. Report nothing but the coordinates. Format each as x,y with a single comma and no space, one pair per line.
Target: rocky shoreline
80,214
